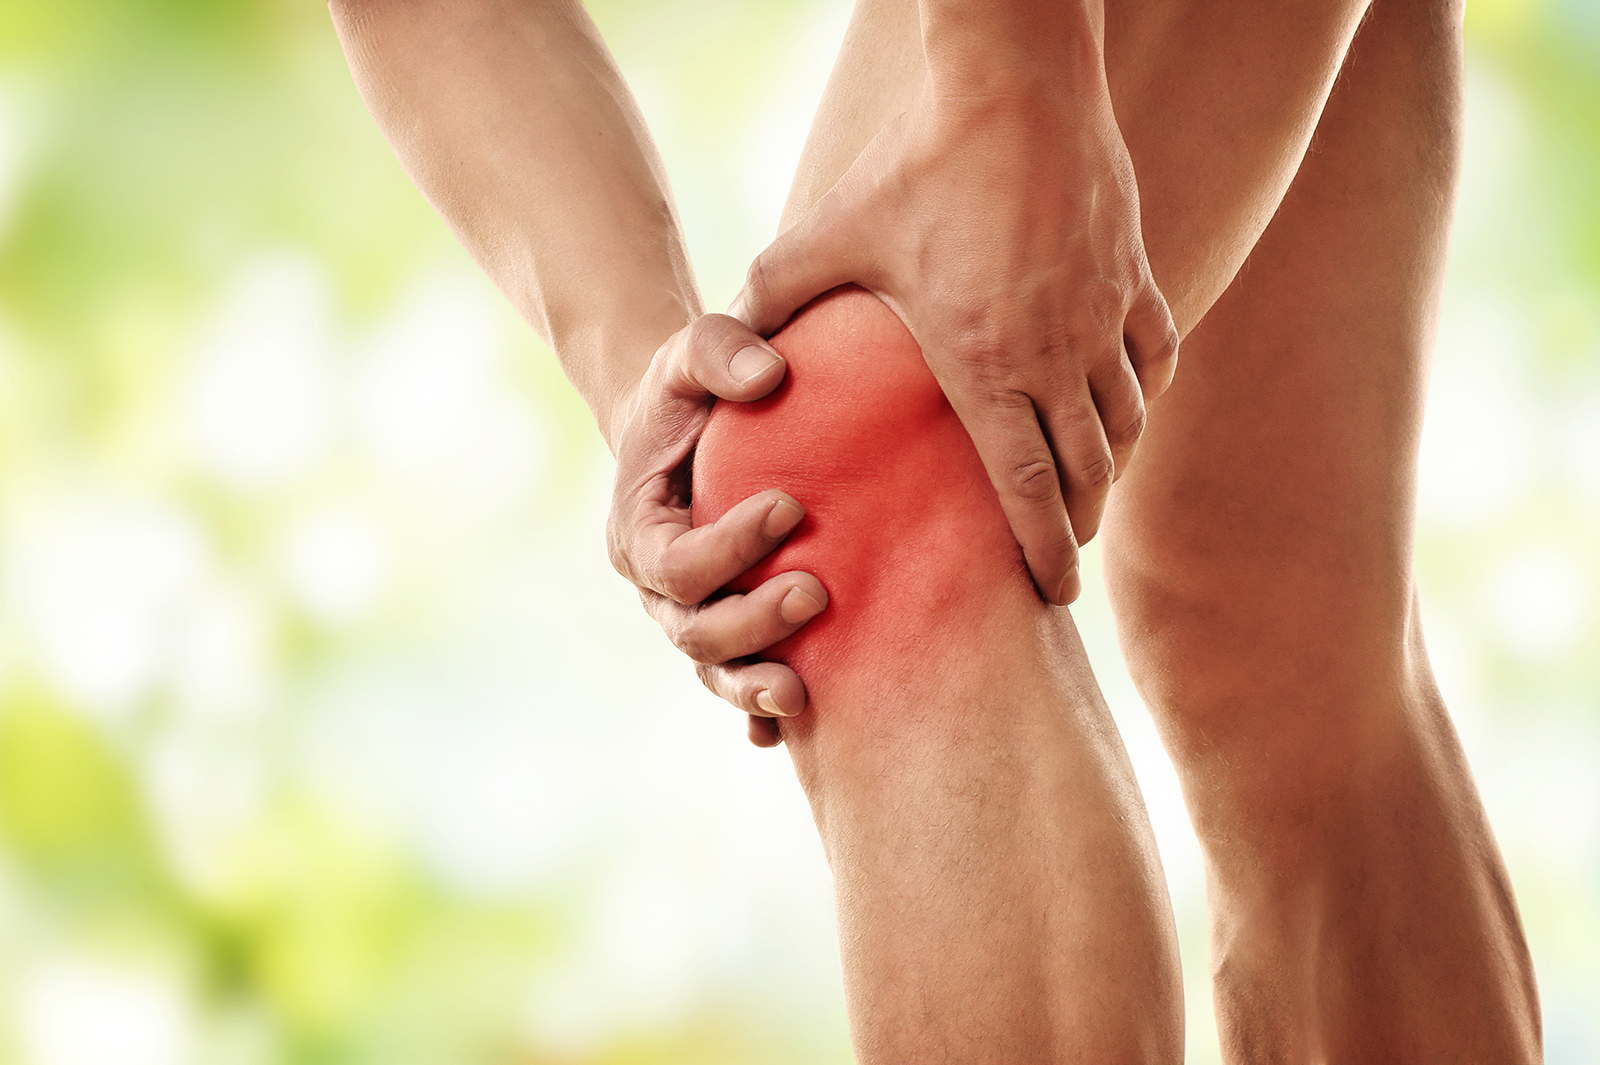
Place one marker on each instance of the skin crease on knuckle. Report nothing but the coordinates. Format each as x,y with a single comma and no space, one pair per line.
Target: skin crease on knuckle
1132,430
1096,471
1036,480
755,295
693,637
902,525
1102,308
704,332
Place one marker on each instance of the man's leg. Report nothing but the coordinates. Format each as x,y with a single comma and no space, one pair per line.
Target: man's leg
1280,399
1259,555
996,898
999,895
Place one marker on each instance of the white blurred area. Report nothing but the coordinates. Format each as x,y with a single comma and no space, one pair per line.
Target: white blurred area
89,1011
491,703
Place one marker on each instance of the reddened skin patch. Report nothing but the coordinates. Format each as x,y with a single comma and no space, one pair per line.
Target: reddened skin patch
902,525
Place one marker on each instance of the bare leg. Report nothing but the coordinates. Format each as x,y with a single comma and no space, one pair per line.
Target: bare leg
1260,547
999,894
1260,559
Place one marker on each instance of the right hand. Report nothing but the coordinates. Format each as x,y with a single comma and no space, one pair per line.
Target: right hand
1003,228
677,568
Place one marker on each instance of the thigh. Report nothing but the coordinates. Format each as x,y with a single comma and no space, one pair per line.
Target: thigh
1262,534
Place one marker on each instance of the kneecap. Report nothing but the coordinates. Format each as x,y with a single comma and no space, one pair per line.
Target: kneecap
902,525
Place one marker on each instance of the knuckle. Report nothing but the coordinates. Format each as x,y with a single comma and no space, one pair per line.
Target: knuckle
746,551
707,332
1006,350
691,638
1105,354
617,551
711,676
1061,342
1162,352
755,277
1158,337
980,341
659,607
1096,473
1170,339
666,366
1129,430
1103,306
985,359
1035,480
758,284
1010,402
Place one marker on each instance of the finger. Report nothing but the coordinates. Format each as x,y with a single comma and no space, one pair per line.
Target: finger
686,565
1151,340
1023,470
764,731
736,626
766,691
1084,457
713,357
817,253
723,356
760,689
1115,389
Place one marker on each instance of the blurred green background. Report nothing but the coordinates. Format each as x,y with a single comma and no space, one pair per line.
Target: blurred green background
326,733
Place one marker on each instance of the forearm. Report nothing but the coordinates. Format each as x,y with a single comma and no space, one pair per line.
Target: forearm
513,121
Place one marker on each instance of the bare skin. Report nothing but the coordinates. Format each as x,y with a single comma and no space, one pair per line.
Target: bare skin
999,893
998,890
1259,546
995,210
1359,905
1259,549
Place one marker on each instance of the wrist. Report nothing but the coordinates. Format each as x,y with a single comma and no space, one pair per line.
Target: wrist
621,358
1020,47
613,409
607,348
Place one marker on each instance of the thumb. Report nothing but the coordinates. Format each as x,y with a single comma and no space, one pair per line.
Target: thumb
714,357
814,255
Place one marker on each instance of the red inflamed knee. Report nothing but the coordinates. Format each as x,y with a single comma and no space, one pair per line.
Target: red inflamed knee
902,525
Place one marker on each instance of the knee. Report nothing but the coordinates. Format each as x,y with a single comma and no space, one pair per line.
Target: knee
1260,656
902,526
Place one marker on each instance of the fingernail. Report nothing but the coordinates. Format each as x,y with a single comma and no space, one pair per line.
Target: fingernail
751,362
782,518
769,704
798,605
1071,587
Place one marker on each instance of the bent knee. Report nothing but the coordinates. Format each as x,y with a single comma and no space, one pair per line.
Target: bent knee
902,525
